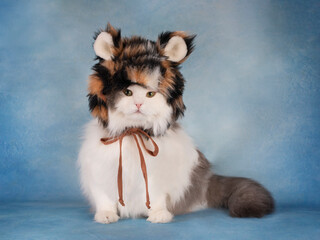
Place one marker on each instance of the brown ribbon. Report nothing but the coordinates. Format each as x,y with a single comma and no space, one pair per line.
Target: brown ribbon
133,132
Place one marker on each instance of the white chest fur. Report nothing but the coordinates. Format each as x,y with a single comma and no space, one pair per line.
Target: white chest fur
168,173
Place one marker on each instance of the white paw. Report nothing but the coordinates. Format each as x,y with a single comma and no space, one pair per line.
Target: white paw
106,217
160,216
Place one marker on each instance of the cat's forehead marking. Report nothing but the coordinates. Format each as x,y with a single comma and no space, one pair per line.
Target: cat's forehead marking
147,77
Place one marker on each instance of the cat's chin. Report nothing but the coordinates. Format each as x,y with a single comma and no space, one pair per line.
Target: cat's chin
134,120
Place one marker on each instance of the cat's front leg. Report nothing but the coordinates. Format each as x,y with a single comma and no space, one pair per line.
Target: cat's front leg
159,212
106,209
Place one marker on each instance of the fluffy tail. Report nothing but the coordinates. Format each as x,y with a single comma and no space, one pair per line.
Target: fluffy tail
243,197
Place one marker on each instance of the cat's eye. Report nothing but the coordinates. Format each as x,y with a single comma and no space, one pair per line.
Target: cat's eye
127,92
150,94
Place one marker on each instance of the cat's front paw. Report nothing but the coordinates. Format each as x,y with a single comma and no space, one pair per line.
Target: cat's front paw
160,216
106,217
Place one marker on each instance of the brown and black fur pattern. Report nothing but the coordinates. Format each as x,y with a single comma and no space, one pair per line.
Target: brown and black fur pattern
134,58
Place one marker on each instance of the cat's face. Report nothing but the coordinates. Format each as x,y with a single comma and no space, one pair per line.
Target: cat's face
142,107
137,82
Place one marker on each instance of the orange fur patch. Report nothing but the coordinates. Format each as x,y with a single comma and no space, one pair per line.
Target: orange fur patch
131,51
96,87
101,112
179,33
179,102
167,81
114,32
110,65
137,75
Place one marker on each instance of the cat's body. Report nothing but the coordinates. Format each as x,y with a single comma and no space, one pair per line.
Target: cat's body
168,173
137,84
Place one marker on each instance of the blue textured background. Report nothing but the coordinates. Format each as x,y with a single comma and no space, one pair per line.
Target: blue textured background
252,92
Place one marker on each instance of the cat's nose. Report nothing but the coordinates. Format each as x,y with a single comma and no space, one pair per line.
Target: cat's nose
138,105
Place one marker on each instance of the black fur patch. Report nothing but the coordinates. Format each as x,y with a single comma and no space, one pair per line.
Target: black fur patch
190,43
142,61
116,39
178,87
111,84
95,101
164,38
179,112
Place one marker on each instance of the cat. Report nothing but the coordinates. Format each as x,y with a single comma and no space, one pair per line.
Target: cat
134,150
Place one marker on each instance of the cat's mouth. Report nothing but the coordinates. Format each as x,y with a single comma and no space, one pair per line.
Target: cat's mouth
138,112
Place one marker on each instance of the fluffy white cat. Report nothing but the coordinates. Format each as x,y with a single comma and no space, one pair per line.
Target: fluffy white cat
137,85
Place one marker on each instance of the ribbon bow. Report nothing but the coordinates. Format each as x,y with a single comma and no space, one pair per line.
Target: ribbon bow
133,132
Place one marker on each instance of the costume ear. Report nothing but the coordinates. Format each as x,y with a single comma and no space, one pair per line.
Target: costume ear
106,42
177,46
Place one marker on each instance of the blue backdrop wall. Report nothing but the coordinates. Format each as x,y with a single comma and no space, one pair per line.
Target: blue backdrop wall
254,111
